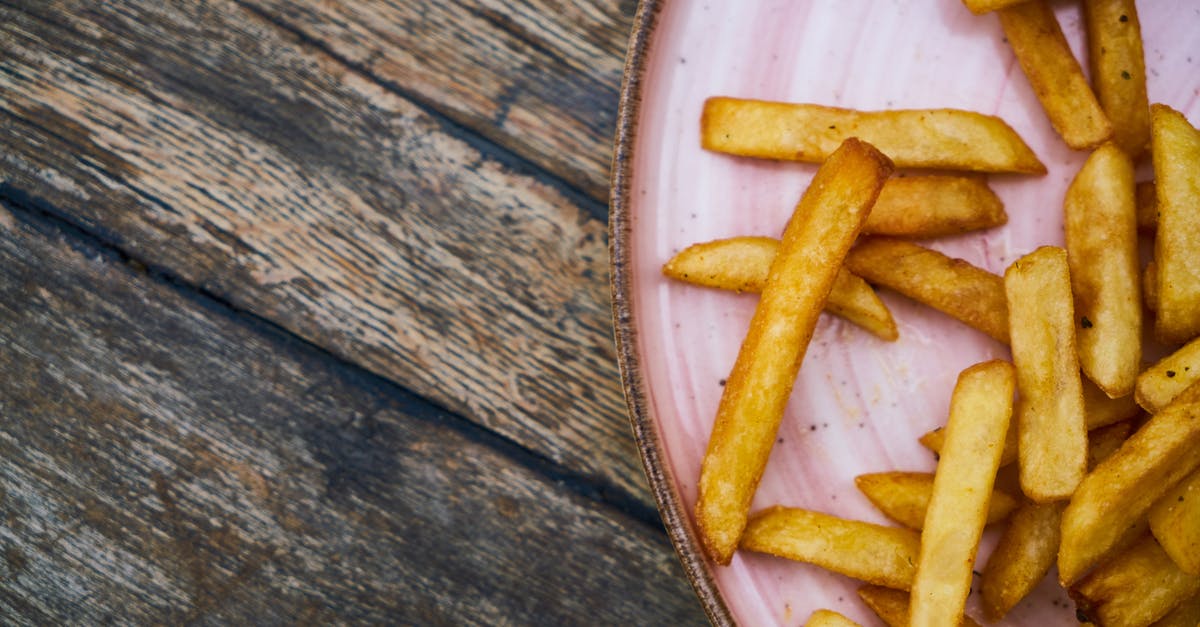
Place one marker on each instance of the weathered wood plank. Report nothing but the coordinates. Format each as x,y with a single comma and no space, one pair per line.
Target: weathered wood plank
539,77
207,142
162,460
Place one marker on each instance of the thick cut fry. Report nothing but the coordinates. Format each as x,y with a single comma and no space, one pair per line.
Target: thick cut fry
1147,206
829,618
1022,558
1050,417
980,7
892,606
1176,155
1119,71
1055,75
742,264
1118,493
980,410
904,497
954,287
1102,251
923,138
1159,384
826,222
1186,614
933,206
876,554
1175,523
1137,587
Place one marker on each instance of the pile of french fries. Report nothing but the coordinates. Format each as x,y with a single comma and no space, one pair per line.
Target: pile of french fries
1107,450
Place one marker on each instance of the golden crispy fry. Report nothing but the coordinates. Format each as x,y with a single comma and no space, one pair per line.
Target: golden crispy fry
1022,558
1117,494
876,554
1119,71
1102,251
892,606
954,287
1137,587
922,138
1186,614
1175,523
1055,75
933,206
1176,153
1150,286
980,7
904,497
980,410
1147,205
742,264
1159,384
826,222
1105,441
829,618
1050,417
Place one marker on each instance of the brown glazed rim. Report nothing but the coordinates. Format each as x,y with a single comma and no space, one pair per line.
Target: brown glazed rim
645,430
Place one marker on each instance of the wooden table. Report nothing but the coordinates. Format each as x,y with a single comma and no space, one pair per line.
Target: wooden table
304,317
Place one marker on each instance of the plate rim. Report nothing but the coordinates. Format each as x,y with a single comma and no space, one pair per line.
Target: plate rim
620,231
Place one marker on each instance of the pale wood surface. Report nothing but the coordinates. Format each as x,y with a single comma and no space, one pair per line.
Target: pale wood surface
305,317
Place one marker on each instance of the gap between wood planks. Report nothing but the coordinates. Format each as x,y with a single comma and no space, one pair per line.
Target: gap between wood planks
596,207
45,217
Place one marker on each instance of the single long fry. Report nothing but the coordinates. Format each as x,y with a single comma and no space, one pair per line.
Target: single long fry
904,497
826,221
934,206
954,287
1137,587
1186,614
1050,417
980,7
1102,251
872,553
829,618
1119,70
980,410
1175,523
922,138
742,264
1117,494
1055,75
1021,559
1176,153
1147,205
892,606
1159,384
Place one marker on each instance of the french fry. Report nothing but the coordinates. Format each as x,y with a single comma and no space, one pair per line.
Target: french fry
829,618
1118,493
980,411
1055,75
1175,523
954,287
1147,205
1050,417
1102,252
904,497
826,222
934,206
1159,384
876,554
1137,587
892,606
918,138
980,7
1119,71
741,264
1021,559
1150,286
1176,156
1186,614
1105,441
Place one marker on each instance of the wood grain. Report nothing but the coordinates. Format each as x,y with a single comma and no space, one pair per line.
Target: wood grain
212,146
165,460
539,77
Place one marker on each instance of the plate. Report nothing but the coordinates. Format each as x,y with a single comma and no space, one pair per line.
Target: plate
859,403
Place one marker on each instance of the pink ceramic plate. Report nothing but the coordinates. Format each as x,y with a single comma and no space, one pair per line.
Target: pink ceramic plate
859,403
